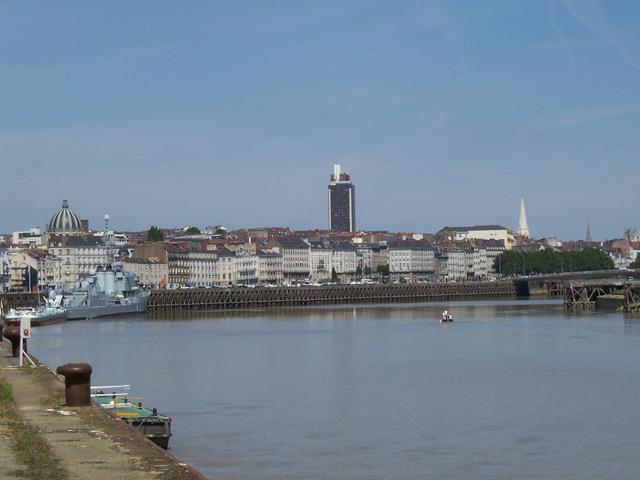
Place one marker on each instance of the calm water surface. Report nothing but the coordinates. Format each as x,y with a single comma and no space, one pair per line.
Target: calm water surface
510,390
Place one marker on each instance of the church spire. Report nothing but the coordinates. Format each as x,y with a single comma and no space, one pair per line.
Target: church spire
523,227
588,238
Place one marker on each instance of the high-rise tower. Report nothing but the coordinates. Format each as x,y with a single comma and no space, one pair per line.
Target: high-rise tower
342,201
523,227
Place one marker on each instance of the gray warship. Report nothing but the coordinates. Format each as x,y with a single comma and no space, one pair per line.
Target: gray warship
109,291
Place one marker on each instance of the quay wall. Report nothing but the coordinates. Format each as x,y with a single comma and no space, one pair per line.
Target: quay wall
227,298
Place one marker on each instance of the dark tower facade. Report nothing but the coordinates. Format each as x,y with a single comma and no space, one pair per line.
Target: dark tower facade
342,201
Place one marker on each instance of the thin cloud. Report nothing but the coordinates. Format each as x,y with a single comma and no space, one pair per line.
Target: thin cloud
568,44
577,118
564,43
591,14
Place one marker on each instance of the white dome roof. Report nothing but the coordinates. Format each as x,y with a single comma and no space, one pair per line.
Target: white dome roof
65,221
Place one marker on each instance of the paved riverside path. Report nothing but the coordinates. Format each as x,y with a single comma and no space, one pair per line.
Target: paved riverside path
7,458
88,442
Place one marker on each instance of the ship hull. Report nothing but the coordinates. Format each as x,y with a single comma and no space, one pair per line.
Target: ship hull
39,321
83,312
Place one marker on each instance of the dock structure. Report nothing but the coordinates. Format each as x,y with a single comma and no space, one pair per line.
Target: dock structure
584,295
228,298
16,300
618,295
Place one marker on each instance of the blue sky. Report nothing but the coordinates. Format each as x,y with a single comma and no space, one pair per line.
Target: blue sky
233,113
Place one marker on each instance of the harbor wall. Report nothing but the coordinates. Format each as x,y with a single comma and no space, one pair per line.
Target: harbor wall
226,298
111,449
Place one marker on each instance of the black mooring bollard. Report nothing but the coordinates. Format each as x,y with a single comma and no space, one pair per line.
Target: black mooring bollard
77,383
12,333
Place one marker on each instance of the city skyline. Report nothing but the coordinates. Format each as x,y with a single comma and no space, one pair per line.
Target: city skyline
97,226
446,114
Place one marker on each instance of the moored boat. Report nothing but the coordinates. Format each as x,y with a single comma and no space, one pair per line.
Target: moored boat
49,313
155,426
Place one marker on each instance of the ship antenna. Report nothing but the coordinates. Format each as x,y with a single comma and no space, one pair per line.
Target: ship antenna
107,239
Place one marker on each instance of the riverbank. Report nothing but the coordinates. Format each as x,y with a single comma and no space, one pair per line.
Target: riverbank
69,443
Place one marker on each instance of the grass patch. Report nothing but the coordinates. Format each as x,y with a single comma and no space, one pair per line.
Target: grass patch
6,392
31,450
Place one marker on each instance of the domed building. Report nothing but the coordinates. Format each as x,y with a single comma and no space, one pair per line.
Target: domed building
80,254
66,222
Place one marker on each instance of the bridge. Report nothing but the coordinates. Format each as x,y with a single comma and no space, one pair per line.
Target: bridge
554,283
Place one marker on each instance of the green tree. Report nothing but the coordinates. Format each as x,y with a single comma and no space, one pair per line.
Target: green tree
334,274
635,263
154,234
193,231
359,271
548,261
383,270
367,271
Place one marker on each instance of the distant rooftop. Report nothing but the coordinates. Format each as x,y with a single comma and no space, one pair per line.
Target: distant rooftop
475,227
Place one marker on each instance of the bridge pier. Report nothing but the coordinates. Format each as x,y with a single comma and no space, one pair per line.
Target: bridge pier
632,297
584,295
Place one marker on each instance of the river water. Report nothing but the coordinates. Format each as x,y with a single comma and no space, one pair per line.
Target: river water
512,389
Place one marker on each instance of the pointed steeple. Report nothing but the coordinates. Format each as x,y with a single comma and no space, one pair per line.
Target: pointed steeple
523,227
588,238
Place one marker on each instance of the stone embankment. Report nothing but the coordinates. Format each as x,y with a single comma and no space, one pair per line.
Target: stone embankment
42,438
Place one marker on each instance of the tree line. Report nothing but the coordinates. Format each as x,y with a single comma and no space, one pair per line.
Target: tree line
549,261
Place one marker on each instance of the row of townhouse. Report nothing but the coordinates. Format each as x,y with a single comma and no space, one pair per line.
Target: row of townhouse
458,264
407,262
339,262
177,266
291,260
20,263
80,256
61,261
66,261
411,263
319,261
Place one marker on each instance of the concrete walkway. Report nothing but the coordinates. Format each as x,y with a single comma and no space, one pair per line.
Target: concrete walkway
7,458
89,443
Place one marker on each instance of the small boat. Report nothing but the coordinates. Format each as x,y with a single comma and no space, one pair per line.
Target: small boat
155,426
50,312
446,317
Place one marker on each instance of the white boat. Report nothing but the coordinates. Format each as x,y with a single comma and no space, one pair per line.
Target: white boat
46,314
446,317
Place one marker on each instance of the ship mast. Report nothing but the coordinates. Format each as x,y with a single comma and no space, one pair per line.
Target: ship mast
107,238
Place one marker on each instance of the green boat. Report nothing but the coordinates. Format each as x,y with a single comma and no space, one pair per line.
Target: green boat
155,426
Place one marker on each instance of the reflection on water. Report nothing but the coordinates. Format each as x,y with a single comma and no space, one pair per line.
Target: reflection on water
511,389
